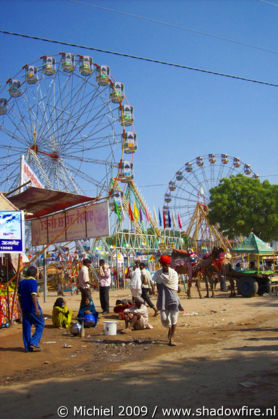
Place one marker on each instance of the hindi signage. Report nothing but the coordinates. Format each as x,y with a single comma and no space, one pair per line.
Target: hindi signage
12,232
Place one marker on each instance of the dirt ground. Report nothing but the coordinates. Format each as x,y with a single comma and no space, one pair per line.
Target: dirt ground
226,357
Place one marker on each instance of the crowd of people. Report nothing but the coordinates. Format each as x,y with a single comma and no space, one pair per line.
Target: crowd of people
135,315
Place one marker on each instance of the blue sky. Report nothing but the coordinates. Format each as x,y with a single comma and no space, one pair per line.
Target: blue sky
179,114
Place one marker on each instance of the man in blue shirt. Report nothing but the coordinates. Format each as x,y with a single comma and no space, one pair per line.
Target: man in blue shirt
31,311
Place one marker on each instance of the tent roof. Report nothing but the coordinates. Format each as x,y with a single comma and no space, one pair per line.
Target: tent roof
6,205
42,202
252,244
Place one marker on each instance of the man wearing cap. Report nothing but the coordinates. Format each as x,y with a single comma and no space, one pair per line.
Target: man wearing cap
168,301
83,281
135,280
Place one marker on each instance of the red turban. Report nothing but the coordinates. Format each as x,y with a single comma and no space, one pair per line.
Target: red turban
165,260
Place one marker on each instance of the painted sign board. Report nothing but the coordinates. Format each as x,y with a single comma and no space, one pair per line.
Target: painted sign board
12,232
89,223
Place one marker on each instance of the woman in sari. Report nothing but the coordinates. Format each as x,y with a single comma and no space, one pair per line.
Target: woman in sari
61,315
88,313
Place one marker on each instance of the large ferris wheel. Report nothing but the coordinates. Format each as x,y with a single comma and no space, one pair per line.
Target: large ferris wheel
188,192
72,123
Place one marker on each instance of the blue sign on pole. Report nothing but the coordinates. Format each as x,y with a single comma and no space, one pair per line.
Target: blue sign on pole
12,232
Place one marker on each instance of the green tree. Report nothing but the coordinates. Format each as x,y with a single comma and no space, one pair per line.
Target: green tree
240,204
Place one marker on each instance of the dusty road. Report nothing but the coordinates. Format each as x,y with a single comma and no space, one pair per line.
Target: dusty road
226,358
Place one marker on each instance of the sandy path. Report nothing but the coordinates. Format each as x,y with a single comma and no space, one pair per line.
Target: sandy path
230,343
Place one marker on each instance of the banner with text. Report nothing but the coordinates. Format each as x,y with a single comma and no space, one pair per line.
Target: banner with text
94,222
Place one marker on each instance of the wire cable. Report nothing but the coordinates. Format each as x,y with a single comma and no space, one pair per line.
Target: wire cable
134,57
183,28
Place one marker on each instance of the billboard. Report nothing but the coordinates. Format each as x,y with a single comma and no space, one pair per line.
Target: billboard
12,232
89,223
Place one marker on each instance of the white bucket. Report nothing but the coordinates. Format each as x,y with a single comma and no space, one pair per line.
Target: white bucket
110,328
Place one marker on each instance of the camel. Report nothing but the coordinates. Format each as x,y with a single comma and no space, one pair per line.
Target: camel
181,262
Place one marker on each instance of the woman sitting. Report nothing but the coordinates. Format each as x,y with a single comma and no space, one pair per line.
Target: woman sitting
61,315
88,313
136,317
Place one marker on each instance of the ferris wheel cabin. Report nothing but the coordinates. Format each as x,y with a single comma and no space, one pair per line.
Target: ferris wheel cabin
126,171
172,186
3,106
126,115
212,158
224,158
188,167
103,75
48,65
67,61
31,74
200,161
247,169
179,175
85,65
130,142
167,198
236,162
14,87
117,92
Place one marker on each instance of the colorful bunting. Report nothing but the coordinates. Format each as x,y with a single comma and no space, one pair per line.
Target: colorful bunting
169,220
140,215
117,210
130,213
174,221
154,216
135,212
179,221
160,219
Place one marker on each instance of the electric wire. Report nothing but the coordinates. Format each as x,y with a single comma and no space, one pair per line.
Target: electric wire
180,27
135,57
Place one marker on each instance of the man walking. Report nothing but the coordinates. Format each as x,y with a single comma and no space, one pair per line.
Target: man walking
135,280
83,281
147,286
31,311
104,285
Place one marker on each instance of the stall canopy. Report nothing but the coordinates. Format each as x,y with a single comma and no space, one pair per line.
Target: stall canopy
39,202
252,244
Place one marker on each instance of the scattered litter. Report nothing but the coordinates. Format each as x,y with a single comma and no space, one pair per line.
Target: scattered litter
73,356
191,314
50,341
84,346
67,346
45,318
231,323
46,362
248,384
213,311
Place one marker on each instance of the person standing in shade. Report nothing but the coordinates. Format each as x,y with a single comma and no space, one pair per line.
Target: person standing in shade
147,286
168,301
135,280
31,311
104,285
83,281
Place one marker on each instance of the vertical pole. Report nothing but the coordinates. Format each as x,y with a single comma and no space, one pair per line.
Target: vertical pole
44,278
21,179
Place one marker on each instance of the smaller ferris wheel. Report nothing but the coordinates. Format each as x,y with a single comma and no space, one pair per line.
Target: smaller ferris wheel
191,184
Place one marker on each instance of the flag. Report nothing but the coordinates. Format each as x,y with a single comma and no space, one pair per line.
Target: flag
169,220
174,221
147,215
140,215
165,219
130,213
154,216
135,212
179,221
117,210
160,219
